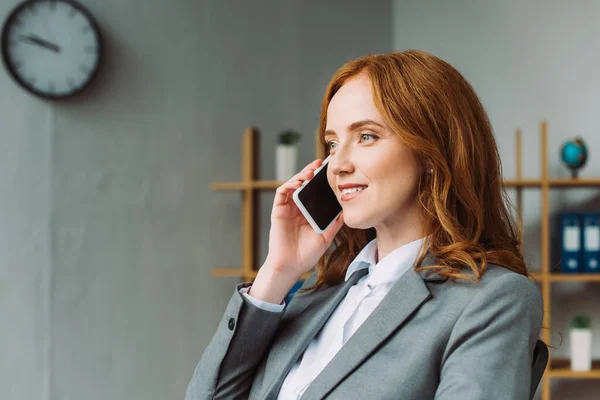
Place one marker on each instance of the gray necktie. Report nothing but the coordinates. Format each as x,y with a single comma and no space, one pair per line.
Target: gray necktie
314,325
356,275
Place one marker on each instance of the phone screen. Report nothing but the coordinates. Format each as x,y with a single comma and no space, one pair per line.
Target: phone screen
319,199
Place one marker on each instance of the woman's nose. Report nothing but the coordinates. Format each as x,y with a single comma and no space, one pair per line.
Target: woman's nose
340,163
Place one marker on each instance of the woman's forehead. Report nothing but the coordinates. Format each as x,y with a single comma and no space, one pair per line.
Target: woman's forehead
351,104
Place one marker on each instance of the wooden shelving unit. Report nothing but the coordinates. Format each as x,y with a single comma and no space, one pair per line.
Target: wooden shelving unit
557,368
248,187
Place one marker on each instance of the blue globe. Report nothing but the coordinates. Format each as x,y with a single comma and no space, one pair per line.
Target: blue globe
574,155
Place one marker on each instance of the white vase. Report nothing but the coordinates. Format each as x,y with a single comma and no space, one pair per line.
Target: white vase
285,161
581,349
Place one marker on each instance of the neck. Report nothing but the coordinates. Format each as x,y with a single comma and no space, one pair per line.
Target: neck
389,238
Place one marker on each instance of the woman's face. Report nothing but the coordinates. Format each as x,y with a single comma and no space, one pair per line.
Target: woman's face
367,154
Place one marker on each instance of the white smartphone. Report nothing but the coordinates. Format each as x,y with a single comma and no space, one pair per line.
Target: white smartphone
317,201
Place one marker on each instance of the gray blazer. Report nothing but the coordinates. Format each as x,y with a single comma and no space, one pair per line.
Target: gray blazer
429,338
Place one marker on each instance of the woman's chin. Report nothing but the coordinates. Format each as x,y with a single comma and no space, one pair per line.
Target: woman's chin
356,223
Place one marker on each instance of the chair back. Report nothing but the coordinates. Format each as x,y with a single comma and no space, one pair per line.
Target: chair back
540,360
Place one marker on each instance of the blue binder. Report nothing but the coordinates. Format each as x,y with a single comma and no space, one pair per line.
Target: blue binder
571,243
590,240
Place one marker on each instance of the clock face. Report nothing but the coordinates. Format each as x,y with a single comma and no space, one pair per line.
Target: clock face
51,48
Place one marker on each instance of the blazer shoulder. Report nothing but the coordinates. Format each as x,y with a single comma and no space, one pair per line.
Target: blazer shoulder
497,284
502,283
495,272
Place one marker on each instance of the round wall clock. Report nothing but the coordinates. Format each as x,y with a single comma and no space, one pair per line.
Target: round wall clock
52,48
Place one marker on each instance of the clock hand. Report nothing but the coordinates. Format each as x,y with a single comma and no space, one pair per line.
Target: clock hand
41,42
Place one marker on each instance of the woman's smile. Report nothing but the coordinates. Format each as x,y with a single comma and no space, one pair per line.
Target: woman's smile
349,194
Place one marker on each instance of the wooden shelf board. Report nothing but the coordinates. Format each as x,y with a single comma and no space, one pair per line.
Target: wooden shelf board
259,185
574,277
538,276
561,368
522,183
552,182
232,272
227,272
237,272
557,277
230,186
560,182
267,184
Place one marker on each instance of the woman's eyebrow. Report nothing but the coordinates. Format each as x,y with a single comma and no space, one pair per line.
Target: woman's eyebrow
355,126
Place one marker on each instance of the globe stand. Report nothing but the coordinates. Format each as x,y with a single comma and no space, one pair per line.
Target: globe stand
573,154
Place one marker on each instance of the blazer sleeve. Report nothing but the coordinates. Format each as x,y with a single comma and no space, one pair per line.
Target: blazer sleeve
490,349
228,364
262,304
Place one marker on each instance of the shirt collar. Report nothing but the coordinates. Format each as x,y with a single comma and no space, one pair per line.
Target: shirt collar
390,268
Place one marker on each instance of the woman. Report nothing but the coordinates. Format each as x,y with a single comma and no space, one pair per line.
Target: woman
425,293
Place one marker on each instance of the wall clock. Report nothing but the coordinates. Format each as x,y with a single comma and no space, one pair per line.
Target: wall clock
52,48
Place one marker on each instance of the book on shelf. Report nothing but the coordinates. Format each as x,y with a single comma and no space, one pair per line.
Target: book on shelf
580,242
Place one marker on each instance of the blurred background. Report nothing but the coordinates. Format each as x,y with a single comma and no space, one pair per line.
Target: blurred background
109,226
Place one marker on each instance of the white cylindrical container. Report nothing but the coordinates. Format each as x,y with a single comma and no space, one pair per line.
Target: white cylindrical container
285,162
581,349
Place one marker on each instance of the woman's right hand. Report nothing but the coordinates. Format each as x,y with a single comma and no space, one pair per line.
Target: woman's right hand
294,247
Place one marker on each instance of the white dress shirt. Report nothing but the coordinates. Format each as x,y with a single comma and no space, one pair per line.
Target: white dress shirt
359,303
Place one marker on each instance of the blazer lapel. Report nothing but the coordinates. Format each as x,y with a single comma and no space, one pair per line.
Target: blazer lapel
404,299
301,327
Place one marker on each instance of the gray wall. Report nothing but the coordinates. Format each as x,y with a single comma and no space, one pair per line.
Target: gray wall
109,226
528,61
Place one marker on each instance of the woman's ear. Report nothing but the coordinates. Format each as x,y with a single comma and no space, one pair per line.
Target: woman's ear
427,168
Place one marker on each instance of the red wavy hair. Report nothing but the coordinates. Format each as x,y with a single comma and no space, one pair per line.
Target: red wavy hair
465,210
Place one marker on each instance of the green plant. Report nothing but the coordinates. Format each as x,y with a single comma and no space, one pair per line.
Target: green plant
581,321
289,137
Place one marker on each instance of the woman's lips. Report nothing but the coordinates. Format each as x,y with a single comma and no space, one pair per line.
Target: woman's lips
350,196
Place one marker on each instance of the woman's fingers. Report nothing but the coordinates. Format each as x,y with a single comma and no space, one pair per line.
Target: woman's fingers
284,192
306,170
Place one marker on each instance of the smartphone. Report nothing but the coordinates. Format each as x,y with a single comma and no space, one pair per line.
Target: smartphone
317,201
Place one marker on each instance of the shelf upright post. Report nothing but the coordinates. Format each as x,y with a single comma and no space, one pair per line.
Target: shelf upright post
250,157
545,228
519,188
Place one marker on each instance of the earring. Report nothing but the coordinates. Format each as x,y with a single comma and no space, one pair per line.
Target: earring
431,171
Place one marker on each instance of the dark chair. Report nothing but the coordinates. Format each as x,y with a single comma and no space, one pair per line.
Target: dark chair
540,360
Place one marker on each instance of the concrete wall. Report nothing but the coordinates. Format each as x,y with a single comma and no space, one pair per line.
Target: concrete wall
110,229
528,61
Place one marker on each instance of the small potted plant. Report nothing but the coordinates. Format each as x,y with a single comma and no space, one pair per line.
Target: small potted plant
286,155
581,343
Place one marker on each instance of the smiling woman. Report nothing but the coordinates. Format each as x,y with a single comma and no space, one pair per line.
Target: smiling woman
433,164
425,292
365,152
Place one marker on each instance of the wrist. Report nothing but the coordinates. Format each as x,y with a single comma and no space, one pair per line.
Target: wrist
271,285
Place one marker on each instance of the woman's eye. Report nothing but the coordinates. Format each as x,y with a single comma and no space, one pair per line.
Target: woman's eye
329,145
367,135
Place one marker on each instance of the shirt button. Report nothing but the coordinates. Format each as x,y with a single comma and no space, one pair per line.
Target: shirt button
231,324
